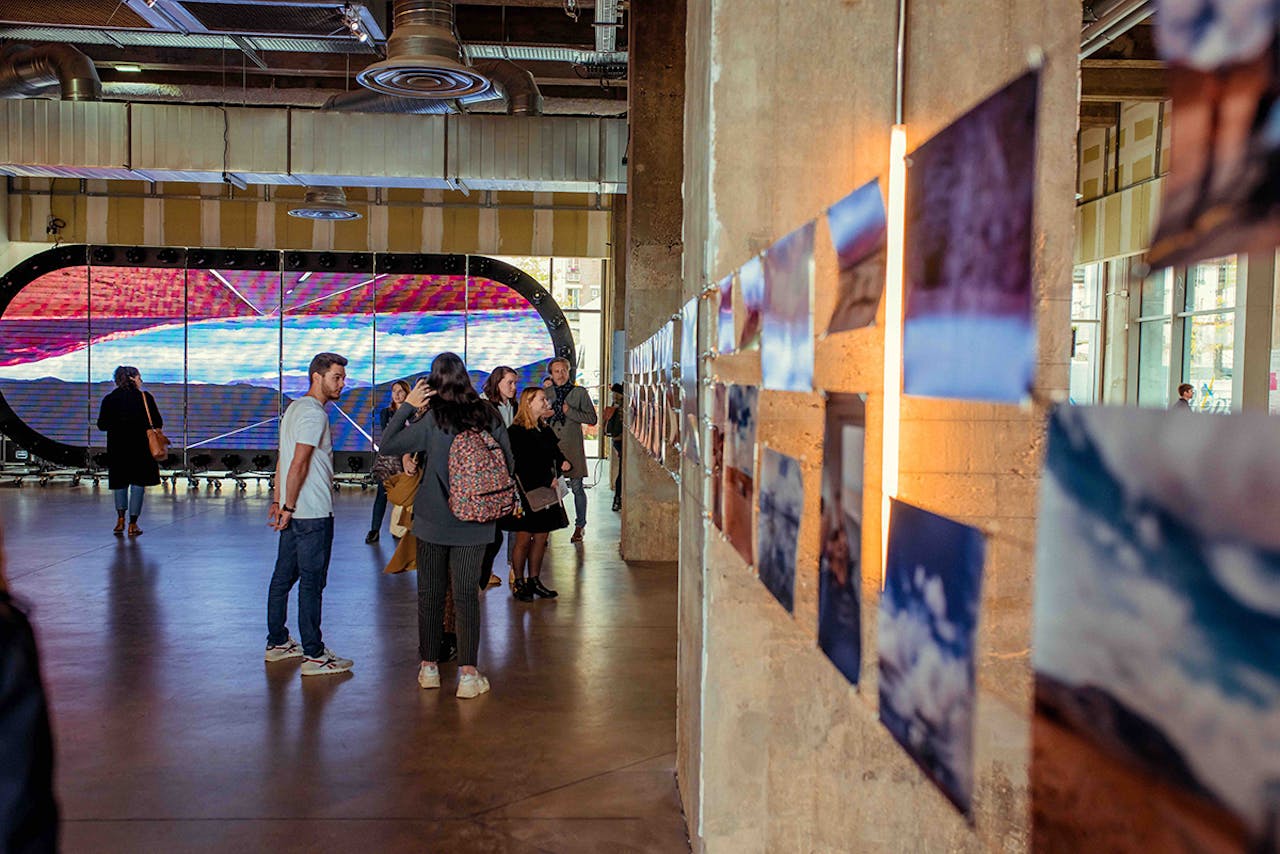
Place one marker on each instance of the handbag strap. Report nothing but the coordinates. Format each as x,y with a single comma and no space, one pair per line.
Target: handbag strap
151,424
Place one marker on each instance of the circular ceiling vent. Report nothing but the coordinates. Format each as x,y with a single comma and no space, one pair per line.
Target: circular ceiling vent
328,203
424,59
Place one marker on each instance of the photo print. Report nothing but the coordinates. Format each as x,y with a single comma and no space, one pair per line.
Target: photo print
719,404
858,230
1156,640
969,328
840,559
751,291
786,343
781,506
740,467
727,334
928,627
1221,195
689,380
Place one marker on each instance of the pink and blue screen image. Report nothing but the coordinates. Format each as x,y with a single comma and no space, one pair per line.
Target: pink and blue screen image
225,351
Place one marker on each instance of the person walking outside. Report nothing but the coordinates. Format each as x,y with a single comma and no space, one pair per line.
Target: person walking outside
130,466
500,391
399,391
571,407
1186,392
450,550
303,514
539,461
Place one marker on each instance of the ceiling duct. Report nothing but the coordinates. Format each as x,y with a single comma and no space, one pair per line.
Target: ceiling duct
364,101
424,58
515,84
27,71
326,203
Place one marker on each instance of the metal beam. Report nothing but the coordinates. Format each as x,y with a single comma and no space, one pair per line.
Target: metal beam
1119,80
1099,114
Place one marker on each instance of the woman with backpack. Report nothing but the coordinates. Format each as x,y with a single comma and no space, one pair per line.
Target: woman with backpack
539,461
466,486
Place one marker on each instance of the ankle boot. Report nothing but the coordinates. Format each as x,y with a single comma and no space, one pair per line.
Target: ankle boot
521,590
536,585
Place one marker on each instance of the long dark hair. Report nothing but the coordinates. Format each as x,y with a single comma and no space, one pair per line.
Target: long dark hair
456,405
498,374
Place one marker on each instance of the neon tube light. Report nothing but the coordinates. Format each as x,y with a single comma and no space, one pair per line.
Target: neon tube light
893,297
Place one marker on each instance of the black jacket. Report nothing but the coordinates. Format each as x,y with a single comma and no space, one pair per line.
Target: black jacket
129,460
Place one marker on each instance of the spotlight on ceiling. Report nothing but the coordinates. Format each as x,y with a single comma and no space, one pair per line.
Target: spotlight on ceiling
324,203
128,68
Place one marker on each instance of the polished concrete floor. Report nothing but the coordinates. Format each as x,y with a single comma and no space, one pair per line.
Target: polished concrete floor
173,735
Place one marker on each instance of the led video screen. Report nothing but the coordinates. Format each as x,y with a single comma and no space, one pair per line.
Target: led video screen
225,351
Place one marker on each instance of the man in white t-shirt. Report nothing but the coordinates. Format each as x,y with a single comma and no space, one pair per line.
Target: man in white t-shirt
303,514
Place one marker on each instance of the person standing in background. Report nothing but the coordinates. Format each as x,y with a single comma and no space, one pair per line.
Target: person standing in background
613,429
571,407
399,390
303,514
1186,392
500,391
130,466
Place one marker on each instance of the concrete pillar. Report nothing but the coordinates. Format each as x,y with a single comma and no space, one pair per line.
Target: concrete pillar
650,504
1255,289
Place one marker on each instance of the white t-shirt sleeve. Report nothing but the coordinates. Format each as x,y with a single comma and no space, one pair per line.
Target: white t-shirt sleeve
310,426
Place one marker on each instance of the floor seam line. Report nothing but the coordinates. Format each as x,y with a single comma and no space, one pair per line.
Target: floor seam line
588,778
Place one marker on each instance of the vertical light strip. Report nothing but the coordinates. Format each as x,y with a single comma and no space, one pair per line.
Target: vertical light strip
893,292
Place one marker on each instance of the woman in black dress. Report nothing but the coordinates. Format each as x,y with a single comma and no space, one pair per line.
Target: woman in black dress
130,466
538,463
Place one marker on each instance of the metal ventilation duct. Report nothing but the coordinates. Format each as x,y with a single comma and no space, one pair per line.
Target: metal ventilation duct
327,203
27,71
513,83
424,58
365,101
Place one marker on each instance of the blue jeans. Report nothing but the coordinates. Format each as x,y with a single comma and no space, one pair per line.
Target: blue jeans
379,509
579,501
130,499
303,557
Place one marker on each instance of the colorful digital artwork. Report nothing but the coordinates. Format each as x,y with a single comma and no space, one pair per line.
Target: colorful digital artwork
749,311
840,558
740,467
781,506
786,343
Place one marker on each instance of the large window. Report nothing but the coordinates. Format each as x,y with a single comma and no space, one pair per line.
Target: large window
1208,334
224,345
1086,333
1186,334
579,286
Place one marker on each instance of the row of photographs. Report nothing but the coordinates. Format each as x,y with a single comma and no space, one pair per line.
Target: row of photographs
1156,645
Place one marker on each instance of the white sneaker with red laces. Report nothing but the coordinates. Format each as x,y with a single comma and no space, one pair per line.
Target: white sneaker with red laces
328,663
283,651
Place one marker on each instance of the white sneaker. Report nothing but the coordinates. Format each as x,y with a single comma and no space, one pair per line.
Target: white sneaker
428,675
281,652
471,685
326,664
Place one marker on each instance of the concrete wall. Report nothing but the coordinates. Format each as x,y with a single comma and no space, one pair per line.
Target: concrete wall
788,109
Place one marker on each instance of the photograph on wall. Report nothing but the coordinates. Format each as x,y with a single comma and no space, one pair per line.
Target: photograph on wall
1156,639
726,333
840,558
689,380
1220,194
719,403
750,306
786,339
858,228
928,622
740,467
778,530
969,327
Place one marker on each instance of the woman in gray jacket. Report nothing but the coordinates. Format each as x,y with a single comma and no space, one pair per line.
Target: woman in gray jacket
448,548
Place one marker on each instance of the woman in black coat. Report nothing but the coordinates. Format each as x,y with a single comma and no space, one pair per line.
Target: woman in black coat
539,461
130,466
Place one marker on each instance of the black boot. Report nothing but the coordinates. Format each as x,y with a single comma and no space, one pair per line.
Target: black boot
536,585
521,590
371,538
617,502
